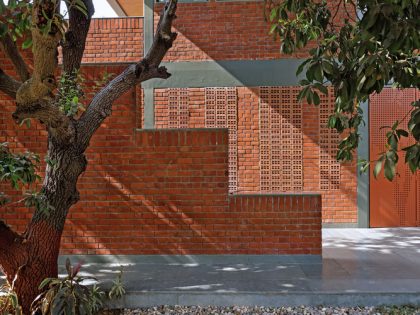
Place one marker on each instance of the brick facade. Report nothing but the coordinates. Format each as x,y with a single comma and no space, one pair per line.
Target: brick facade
114,40
167,191
339,201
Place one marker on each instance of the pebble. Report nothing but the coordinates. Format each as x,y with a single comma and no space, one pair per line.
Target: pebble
257,310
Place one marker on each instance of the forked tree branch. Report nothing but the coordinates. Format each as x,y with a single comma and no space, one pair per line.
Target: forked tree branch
7,236
11,51
75,37
148,68
8,85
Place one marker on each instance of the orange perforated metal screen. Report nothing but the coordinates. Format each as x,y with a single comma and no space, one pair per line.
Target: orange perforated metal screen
281,140
394,203
329,168
222,112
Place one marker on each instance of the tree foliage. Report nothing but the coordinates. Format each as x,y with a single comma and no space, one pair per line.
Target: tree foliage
358,47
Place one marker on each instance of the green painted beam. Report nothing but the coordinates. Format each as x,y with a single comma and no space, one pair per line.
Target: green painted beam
149,108
149,103
280,72
363,189
148,25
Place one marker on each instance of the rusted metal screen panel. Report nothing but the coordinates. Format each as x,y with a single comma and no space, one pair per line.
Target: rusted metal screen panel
222,112
392,203
281,140
329,167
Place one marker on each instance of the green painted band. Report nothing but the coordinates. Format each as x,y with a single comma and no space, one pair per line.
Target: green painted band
281,72
363,187
339,225
149,108
148,25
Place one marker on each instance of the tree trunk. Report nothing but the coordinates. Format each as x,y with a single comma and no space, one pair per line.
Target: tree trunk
31,261
29,258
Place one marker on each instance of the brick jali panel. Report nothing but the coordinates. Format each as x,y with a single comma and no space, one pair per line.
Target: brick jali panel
337,207
281,143
222,112
178,102
329,169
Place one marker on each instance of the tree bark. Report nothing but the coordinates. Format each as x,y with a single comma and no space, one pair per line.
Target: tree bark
8,85
29,258
10,49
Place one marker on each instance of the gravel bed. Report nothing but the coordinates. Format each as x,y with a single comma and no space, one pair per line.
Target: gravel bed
244,310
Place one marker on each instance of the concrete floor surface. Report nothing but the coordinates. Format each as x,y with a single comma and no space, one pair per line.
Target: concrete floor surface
359,267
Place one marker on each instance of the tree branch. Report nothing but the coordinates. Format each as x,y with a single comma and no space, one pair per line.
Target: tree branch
75,37
7,236
60,126
8,85
34,99
164,37
10,254
11,51
148,68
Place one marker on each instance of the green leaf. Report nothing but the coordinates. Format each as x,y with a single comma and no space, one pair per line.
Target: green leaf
389,169
327,67
393,142
316,98
401,133
361,83
44,283
378,167
322,88
303,94
302,66
27,43
273,28
318,73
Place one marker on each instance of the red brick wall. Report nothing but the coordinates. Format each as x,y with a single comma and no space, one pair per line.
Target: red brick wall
166,192
114,40
339,205
217,30
221,31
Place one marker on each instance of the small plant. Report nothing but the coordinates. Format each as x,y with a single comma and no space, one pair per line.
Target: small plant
9,303
117,290
69,94
18,168
70,296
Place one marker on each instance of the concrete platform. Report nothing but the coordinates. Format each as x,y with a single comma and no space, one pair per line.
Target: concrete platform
359,267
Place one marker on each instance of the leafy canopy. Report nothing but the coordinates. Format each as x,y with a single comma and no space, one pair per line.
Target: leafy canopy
359,48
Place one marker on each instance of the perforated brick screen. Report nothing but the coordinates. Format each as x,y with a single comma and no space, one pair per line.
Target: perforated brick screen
281,144
222,112
329,168
178,100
